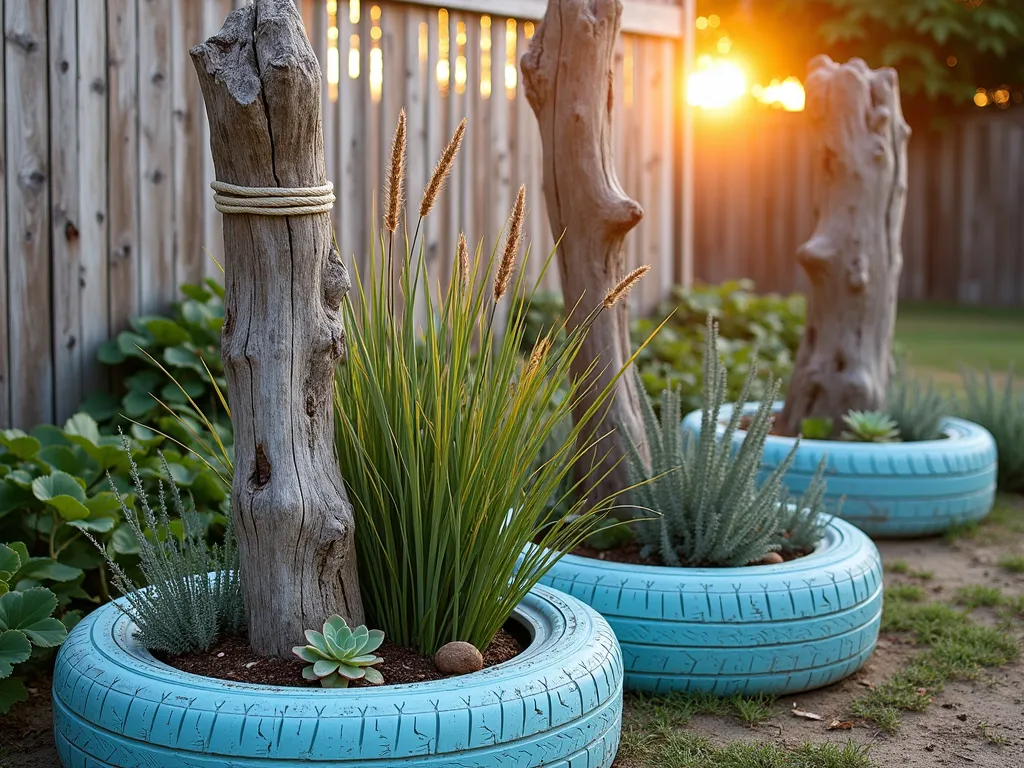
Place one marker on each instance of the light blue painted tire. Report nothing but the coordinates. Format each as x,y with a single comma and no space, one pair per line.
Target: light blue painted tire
894,490
772,629
557,704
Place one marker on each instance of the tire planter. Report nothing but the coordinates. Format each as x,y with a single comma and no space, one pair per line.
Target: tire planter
772,629
892,490
557,704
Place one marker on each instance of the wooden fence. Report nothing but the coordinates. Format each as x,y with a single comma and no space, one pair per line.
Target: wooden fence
963,236
105,205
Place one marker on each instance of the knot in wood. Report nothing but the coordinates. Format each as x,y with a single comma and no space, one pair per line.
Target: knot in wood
261,470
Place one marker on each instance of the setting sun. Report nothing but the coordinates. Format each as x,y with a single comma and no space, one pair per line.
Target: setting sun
716,83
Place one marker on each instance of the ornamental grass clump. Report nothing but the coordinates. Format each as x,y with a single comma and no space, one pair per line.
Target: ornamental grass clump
710,509
439,421
192,593
1000,410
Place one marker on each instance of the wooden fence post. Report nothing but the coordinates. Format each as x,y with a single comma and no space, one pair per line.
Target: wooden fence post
854,258
574,46
282,329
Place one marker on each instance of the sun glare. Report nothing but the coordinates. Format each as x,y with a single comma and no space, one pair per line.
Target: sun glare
788,94
716,83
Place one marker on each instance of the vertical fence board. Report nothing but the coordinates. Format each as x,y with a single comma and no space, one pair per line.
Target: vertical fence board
156,200
187,113
68,359
5,350
92,191
435,133
28,235
214,13
123,159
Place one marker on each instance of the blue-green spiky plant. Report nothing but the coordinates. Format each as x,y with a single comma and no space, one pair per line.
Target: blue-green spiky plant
710,509
340,654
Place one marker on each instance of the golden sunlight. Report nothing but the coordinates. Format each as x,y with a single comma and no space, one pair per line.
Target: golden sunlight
716,83
788,94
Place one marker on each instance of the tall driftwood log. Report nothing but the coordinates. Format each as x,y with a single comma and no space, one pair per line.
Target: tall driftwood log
282,330
854,258
567,71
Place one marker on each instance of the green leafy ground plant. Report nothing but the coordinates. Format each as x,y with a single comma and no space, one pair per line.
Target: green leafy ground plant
439,424
184,344
771,323
26,621
54,491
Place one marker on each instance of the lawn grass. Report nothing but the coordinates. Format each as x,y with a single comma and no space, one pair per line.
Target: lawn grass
1012,563
654,734
955,647
902,568
940,338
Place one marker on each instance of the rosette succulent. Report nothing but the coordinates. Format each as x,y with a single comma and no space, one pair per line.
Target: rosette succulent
340,654
870,427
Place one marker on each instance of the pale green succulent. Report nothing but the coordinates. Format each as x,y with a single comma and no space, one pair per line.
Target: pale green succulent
870,427
340,654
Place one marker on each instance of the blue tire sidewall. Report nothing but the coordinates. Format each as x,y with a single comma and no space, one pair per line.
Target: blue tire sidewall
890,490
558,703
764,629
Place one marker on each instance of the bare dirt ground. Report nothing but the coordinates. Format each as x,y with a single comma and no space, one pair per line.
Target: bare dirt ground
978,723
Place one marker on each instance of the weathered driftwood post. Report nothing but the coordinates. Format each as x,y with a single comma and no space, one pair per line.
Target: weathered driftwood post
282,326
587,208
854,257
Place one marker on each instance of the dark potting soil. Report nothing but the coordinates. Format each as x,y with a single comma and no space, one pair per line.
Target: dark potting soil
630,553
233,659
26,732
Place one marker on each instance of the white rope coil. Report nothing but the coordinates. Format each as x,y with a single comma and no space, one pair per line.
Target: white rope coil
272,201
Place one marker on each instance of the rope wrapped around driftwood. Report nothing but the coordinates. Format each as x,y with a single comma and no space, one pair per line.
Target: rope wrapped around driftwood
272,201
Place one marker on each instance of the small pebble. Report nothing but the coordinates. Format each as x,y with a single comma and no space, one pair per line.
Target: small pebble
772,558
220,655
458,658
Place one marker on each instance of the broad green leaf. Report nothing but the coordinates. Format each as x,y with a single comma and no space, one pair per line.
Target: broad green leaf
64,493
132,344
208,488
138,403
184,356
14,496
196,292
10,562
102,406
97,525
21,445
29,611
166,332
83,425
14,648
123,541
104,504
110,353
373,677
12,691
22,477
50,434
145,436
71,619
46,568
71,459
